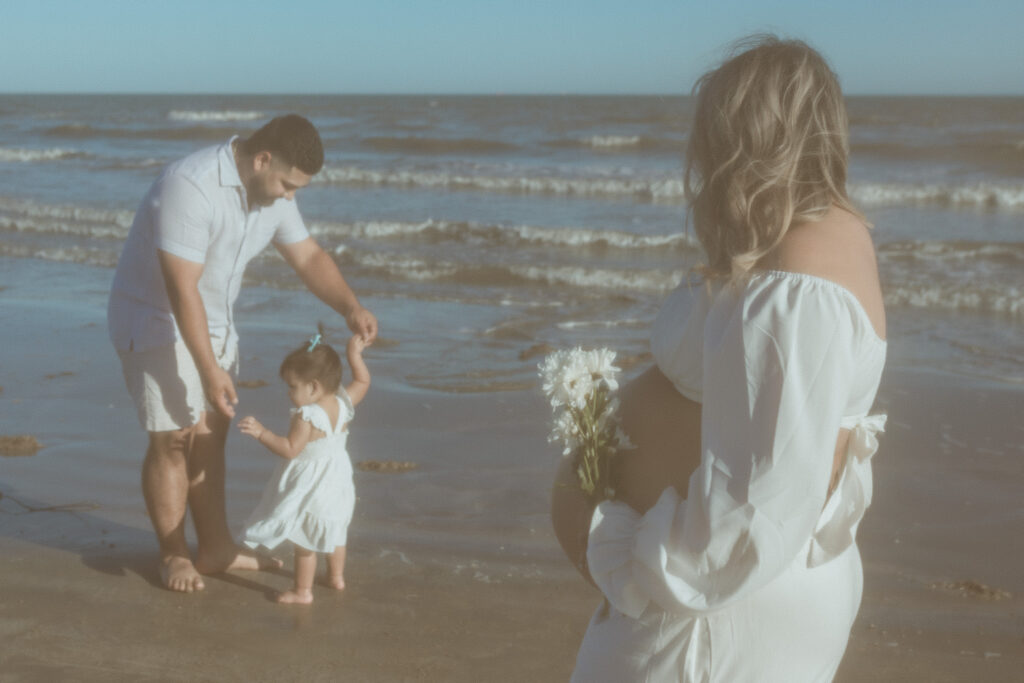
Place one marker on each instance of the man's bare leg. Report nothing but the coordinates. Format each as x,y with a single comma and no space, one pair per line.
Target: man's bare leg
217,549
165,489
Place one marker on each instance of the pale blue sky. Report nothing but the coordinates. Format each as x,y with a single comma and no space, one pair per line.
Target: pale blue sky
492,46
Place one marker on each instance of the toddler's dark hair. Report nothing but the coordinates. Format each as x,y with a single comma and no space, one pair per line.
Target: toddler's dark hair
321,364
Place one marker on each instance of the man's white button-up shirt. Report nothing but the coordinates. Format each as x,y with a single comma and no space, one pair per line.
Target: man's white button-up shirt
197,210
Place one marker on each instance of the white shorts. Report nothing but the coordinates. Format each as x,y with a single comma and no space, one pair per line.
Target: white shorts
165,385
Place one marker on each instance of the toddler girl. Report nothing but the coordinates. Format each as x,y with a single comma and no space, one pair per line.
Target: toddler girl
310,497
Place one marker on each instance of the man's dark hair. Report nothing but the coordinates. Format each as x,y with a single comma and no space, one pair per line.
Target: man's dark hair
290,138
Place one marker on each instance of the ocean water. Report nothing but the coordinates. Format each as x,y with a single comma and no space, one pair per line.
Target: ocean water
489,230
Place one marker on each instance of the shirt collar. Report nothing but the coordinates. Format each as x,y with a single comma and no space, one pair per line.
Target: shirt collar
228,170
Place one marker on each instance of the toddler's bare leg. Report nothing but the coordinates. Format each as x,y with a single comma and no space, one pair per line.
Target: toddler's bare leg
305,569
336,568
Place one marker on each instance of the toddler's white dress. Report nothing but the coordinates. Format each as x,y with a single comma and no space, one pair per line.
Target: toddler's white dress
753,573
309,500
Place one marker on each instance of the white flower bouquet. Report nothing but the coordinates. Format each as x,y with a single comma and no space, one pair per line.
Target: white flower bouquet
579,384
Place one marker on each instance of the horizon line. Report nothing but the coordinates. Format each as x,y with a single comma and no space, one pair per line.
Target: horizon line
451,94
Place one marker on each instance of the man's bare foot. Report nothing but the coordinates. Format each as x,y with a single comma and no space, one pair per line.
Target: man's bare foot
335,581
179,574
234,557
295,597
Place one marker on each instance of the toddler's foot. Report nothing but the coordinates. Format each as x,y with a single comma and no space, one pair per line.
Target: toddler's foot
336,581
294,597
179,574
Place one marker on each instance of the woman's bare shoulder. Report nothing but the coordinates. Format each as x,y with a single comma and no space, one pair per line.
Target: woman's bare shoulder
838,247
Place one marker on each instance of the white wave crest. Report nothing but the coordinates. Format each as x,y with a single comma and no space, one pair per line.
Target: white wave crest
653,281
980,195
412,268
956,297
227,115
583,324
652,189
515,235
584,237
80,255
33,217
409,267
602,141
945,254
33,155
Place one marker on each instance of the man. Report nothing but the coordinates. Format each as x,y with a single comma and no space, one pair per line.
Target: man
170,318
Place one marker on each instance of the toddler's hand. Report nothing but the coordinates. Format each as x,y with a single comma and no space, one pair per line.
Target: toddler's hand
251,426
356,344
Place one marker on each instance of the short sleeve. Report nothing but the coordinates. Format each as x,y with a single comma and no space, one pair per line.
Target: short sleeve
315,415
348,411
182,218
290,226
778,359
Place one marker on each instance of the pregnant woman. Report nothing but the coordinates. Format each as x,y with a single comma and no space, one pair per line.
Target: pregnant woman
729,552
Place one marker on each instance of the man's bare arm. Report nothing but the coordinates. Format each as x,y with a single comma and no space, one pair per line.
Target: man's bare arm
321,276
181,277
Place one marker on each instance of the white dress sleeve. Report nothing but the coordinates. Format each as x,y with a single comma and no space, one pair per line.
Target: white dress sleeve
315,415
677,337
348,411
778,361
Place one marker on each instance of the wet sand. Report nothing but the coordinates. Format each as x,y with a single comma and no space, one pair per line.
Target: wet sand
454,573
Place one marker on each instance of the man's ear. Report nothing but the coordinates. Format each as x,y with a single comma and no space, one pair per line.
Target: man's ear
262,160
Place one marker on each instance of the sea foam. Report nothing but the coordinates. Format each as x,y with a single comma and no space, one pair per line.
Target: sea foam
34,155
213,115
667,189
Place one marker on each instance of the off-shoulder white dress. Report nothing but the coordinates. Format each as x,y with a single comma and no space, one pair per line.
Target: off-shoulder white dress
309,500
754,575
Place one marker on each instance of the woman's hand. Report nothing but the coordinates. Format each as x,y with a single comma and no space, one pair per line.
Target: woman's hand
570,516
664,426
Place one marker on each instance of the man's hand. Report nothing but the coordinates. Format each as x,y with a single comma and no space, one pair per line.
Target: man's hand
220,391
362,323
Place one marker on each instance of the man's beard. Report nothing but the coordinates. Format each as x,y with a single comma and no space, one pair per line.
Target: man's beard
259,198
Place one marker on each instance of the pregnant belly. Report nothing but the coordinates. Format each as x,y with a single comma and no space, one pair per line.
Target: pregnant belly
665,428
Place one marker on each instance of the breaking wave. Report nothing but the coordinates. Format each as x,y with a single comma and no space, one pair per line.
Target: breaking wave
497,235
667,189
979,195
35,155
213,115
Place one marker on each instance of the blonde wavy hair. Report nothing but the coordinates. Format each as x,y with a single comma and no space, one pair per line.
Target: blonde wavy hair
768,148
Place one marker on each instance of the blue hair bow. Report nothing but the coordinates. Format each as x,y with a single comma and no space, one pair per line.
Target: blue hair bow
313,341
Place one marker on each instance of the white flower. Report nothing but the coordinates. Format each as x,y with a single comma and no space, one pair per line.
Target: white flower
570,377
623,439
579,385
600,364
